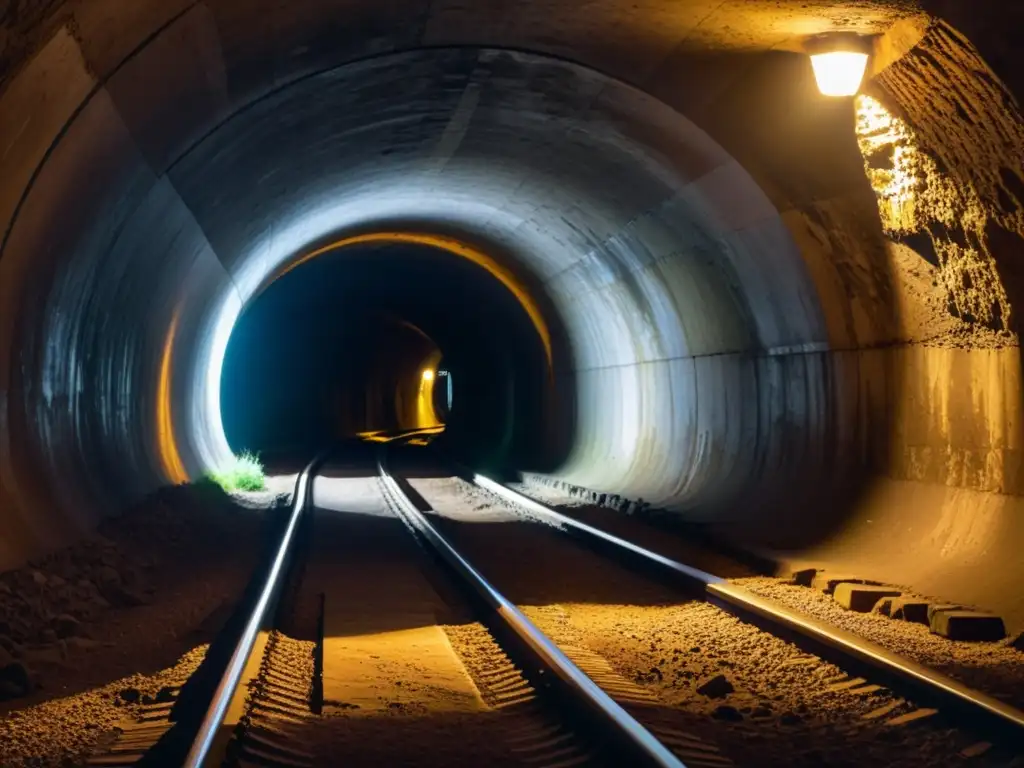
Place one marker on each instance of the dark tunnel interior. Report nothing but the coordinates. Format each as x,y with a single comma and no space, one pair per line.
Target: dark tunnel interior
336,346
749,271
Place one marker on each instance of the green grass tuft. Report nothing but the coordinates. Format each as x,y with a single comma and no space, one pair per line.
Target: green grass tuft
244,473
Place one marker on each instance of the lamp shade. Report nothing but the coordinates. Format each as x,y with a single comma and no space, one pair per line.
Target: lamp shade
839,73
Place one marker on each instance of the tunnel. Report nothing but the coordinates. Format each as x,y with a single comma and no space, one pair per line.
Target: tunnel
373,336
656,261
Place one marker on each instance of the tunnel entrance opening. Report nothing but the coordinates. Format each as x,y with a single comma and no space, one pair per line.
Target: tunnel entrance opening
352,342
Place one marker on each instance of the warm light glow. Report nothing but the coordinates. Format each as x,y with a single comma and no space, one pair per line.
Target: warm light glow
170,456
894,166
839,73
426,416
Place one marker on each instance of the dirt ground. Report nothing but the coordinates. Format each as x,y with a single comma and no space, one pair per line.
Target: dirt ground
91,632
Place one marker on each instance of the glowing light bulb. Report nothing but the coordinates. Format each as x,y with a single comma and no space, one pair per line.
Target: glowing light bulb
839,73
428,375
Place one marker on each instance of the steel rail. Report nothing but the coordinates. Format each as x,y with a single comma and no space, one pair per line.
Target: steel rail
991,713
216,712
644,747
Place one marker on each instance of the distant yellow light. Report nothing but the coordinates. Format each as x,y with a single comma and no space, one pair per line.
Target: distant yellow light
428,375
839,73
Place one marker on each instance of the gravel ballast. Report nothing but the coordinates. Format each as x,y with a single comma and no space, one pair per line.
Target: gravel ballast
997,668
993,667
759,699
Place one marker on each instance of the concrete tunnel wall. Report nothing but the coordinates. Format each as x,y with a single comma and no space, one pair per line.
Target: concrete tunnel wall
728,336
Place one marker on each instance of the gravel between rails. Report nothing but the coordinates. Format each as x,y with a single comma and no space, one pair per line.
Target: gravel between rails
995,668
779,706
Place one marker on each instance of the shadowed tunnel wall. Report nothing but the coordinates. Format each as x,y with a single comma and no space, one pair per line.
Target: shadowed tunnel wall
750,325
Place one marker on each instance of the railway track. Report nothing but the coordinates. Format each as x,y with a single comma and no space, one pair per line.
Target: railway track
368,644
980,725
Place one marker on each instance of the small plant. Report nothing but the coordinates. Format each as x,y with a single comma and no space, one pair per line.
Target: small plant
243,473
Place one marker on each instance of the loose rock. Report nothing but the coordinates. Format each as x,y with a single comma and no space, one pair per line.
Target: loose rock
715,688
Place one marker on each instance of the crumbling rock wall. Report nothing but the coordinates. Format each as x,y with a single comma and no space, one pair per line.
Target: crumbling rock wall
943,144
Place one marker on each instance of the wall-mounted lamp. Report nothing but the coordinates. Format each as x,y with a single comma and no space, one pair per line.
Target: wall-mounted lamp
839,62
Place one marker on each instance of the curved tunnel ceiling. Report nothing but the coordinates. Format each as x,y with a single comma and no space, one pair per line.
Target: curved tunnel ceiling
548,175
716,305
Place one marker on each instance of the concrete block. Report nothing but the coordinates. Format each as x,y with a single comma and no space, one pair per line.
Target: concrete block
826,581
910,609
884,606
803,577
861,597
935,608
968,625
